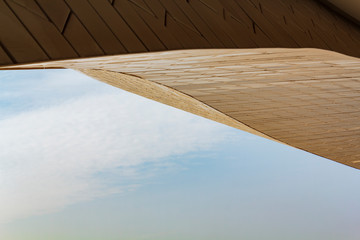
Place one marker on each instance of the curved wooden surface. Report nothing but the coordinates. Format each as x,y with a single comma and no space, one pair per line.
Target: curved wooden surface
306,98
43,30
252,64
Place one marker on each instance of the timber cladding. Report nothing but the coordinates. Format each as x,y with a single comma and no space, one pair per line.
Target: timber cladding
42,30
287,70
306,98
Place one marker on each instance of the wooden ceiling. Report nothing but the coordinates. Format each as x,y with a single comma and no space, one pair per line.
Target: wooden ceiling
256,65
43,30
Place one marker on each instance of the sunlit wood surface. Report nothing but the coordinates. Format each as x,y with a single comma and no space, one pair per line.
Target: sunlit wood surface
306,98
251,64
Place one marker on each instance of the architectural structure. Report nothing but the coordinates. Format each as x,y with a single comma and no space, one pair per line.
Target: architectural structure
287,70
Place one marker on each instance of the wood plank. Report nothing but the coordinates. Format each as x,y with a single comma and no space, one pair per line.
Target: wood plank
175,23
46,34
137,24
118,26
156,18
233,24
4,58
281,15
17,39
182,26
199,23
122,26
57,11
80,39
211,16
31,6
277,35
96,26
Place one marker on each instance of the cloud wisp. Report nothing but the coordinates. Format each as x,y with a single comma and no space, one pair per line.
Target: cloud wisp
57,154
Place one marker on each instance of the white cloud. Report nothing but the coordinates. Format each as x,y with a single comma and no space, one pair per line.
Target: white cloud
53,155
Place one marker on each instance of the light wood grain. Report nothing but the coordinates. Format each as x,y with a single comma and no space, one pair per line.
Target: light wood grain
306,98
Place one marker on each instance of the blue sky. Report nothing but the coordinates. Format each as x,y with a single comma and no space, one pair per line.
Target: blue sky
83,160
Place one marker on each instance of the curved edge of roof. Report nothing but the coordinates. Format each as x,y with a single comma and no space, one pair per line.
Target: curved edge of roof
167,95
76,62
141,73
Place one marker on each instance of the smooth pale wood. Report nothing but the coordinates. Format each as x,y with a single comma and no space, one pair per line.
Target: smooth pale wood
306,98
166,95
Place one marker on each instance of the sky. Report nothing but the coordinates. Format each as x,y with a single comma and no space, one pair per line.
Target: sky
81,160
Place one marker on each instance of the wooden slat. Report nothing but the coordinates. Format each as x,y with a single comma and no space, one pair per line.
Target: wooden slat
241,22
199,23
277,35
46,34
156,18
17,39
96,26
130,26
80,39
57,11
137,24
282,16
29,5
210,15
181,27
4,58
118,26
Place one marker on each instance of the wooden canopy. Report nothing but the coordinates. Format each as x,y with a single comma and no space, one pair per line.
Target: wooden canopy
286,70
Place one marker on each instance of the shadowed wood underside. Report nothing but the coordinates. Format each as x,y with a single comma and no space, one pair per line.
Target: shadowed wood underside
43,30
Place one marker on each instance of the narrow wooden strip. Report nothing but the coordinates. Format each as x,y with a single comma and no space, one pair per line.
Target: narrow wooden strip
4,57
281,15
182,27
156,17
276,34
16,38
57,11
141,29
211,16
118,26
45,33
198,23
96,26
30,6
80,39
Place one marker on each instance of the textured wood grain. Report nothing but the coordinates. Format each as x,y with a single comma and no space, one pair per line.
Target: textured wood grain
255,71
306,98
166,95
40,30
